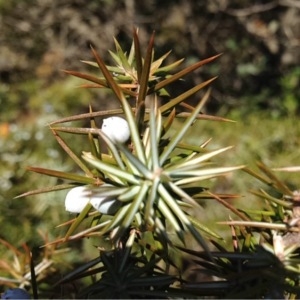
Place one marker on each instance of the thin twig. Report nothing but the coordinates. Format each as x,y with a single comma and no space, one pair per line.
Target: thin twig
244,12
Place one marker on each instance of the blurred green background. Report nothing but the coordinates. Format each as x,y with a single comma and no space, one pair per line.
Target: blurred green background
258,86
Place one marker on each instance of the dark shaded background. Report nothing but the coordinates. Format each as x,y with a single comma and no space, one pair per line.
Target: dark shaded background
260,41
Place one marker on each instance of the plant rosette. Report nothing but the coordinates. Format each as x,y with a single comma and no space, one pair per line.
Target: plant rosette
78,197
116,129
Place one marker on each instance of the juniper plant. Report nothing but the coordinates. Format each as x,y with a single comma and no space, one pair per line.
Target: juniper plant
154,177
264,260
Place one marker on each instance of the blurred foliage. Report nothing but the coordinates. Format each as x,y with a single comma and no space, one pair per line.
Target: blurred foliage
260,41
257,86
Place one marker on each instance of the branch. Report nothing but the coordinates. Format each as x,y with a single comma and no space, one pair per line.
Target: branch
244,12
290,3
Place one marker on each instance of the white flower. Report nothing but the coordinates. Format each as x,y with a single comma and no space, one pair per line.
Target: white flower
116,129
78,197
